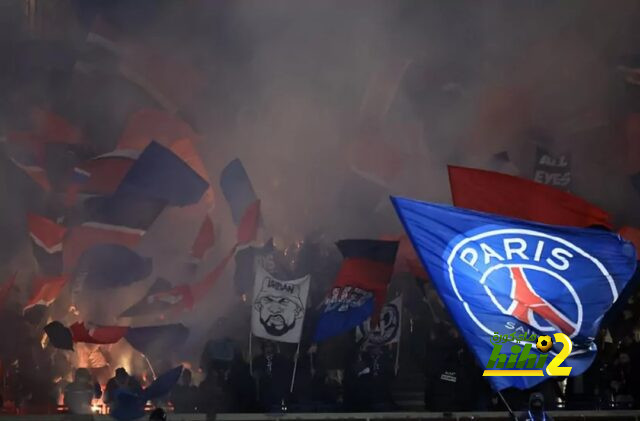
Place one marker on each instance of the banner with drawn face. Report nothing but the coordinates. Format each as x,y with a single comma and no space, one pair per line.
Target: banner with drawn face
278,307
388,329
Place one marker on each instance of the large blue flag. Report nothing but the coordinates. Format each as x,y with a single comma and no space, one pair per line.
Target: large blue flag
502,275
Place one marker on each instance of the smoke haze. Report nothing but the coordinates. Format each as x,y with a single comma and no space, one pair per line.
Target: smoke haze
286,83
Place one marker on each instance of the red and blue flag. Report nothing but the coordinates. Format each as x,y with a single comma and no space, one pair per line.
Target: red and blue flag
360,288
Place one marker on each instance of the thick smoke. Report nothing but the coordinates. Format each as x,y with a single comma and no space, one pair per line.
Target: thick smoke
484,78
287,81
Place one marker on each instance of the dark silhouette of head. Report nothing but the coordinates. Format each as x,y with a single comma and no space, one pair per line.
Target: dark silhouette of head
186,377
536,403
82,375
158,414
121,374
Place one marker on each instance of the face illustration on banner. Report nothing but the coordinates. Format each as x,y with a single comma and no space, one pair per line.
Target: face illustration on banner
279,306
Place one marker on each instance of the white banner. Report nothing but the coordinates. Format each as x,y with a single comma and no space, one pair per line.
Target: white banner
278,307
389,328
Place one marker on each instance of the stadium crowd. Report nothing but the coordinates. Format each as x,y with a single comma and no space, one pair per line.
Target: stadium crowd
339,374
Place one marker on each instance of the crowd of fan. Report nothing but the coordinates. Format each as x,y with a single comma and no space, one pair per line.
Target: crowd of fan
333,376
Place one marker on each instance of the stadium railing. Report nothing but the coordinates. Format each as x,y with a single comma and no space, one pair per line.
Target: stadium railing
381,416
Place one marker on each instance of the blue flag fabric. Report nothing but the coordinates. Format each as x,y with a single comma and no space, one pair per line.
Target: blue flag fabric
237,189
163,384
503,275
155,340
122,211
130,406
147,305
160,174
112,265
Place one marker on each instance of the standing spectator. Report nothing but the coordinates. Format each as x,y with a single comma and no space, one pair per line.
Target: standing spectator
273,374
240,386
79,393
211,394
184,395
382,374
358,387
121,381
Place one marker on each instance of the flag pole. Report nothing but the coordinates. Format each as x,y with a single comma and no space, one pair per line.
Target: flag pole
153,373
504,401
295,368
397,366
250,355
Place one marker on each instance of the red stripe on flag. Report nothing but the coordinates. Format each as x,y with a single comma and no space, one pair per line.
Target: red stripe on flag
98,335
46,291
205,239
85,236
45,233
368,275
248,225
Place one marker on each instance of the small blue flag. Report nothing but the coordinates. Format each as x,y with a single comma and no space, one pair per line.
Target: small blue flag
498,275
160,174
237,189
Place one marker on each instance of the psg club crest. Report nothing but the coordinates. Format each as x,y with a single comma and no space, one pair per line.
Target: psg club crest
527,275
508,276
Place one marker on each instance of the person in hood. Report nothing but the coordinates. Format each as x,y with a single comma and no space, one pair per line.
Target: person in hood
536,410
